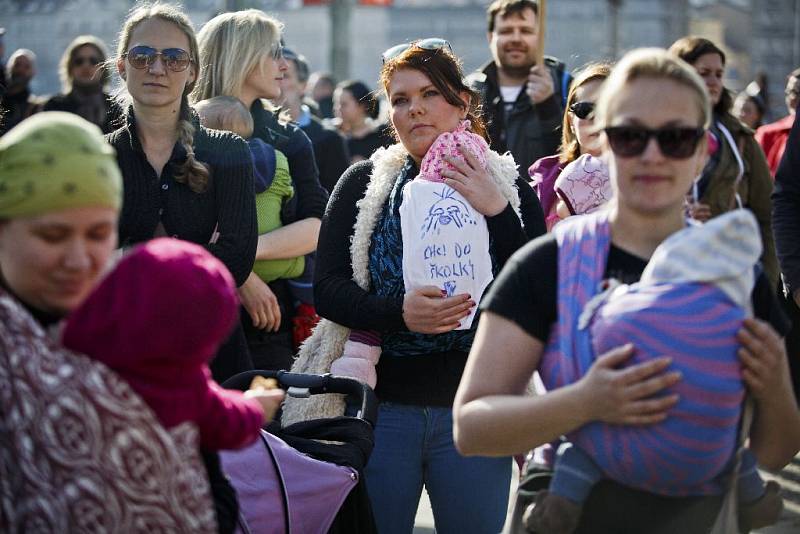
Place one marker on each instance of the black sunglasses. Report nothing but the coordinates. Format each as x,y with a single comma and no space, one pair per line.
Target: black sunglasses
675,142
175,59
432,43
277,52
582,110
81,61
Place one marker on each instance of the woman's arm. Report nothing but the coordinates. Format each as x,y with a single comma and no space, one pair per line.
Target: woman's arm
336,296
775,435
295,239
236,208
494,417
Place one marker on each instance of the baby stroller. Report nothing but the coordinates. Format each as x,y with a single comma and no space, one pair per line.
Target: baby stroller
306,478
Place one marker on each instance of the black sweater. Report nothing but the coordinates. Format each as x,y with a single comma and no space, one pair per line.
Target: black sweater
431,379
228,204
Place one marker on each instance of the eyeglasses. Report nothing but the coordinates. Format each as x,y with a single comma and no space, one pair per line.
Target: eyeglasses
175,59
676,143
81,61
582,110
432,43
277,52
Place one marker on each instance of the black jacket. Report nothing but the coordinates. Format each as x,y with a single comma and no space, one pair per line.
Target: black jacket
786,210
69,103
330,152
531,132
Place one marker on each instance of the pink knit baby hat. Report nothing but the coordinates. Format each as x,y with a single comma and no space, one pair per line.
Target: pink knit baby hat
449,144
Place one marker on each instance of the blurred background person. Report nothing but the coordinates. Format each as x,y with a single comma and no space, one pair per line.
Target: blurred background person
85,76
772,137
320,88
330,148
2,55
18,102
749,109
356,110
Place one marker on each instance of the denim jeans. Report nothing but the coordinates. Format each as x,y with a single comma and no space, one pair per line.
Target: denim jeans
414,447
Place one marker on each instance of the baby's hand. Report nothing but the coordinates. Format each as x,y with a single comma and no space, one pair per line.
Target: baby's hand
267,393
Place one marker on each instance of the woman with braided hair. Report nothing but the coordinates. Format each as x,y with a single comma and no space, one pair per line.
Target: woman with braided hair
181,179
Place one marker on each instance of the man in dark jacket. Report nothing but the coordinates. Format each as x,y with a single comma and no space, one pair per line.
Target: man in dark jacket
18,103
330,148
522,101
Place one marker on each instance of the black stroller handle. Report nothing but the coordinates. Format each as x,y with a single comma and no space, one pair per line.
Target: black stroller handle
304,385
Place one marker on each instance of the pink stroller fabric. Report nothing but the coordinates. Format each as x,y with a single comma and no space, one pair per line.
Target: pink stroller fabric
278,486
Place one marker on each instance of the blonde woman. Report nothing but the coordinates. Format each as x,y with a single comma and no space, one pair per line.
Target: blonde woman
181,180
243,58
85,77
577,137
653,114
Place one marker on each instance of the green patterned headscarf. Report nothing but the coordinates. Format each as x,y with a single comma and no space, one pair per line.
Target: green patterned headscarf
53,161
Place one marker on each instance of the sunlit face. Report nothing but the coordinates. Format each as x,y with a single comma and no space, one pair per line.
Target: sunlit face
746,111
53,261
84,67
588,140
652,183
711,69
156,85
264,81
513,41
419,111
22,70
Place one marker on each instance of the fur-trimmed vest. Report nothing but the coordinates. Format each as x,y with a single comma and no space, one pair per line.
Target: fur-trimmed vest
327,341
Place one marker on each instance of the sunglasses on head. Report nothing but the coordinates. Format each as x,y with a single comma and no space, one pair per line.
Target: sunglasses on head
432,43
582,110
175,59
81,61
674,142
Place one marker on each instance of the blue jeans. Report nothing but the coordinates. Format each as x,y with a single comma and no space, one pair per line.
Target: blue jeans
414,447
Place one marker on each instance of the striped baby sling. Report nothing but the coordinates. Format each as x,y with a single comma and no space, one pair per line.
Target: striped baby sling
695,323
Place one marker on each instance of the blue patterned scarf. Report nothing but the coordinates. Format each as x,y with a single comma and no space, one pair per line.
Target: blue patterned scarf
386,277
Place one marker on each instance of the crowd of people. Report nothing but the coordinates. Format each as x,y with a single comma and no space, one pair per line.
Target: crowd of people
600,266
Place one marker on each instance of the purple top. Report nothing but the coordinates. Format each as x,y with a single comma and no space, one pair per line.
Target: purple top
543,173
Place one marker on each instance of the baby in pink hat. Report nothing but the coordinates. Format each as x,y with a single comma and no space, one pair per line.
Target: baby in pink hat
582,187
157,319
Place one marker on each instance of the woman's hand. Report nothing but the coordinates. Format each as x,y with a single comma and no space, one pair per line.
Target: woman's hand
765,368
261,303
473,181
426,311
626,396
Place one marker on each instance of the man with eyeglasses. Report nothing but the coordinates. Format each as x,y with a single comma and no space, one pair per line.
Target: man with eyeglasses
523,102
18,102
772,137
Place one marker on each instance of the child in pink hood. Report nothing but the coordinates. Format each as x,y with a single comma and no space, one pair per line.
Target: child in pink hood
156,320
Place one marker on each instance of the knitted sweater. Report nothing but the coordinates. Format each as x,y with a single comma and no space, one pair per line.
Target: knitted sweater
228,204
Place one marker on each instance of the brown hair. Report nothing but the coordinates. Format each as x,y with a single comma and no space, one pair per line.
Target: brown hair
570,149
444,71
225,113
690,49
506,8
193,173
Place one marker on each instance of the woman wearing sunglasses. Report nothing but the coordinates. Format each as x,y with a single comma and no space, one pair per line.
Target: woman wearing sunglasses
181,179
84,78
577,137
737,173
243,58
361,286
652,113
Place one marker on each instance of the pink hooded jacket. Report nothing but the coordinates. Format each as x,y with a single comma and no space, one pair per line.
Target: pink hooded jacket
157,319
